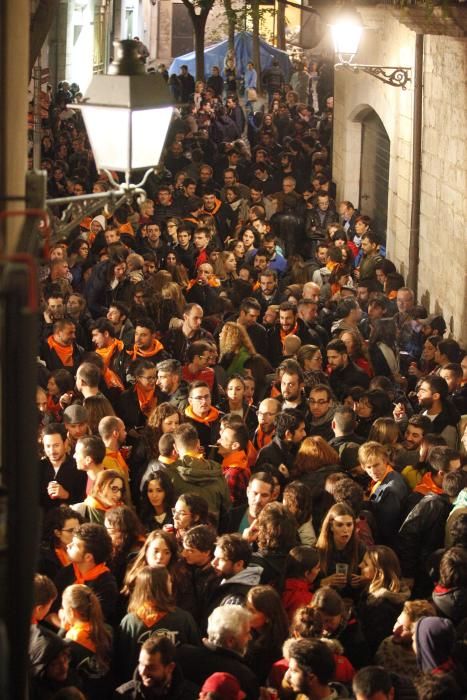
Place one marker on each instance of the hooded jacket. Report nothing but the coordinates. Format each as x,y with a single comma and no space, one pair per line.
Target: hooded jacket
451,603
378,611
233,590
435,638
203,477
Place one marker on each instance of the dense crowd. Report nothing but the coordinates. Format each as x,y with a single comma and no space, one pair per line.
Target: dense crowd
251,437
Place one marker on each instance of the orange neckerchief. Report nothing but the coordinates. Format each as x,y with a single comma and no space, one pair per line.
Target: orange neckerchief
80,633
214,211
112,380
375,484
212,282
292,332
106,353
262,439
210,418
153,350
64,352
127,228
274,392
94,503
90,575
148,615
62,556
119,460
167,460
427,485
237,459
146,398
256,286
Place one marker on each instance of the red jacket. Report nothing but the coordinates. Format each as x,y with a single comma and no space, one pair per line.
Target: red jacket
296,594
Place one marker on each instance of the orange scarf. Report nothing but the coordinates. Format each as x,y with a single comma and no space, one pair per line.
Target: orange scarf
237,460
112,380
90,575
292,332
252,454
153,350
262,439
64,352
146,398
62,556
80,633
107,353
376,484
149,615
210,418
115,460
94,503
427,485
212,282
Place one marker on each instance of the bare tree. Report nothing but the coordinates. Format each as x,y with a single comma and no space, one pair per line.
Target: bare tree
199,11
231,24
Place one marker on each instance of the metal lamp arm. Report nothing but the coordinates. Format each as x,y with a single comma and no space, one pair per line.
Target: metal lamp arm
397,76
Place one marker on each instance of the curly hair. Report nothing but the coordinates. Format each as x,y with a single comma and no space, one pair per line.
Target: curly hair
297,498
233,337
153,430
277,528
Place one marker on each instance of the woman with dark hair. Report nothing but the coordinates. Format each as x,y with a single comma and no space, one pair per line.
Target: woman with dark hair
251,241
97,407
159,549
78,253
269,629
371,405
427,362
310,359
234,402
340,550
173,264
151,608
189,510
314,462
297,498
163,419
59,526
134,405
383,350
60,382
157,500
127,535
276,534
260,369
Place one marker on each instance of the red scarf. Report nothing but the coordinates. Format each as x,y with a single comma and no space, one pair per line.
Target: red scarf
210,418
153,350
53,406
64,352
90,575
146,398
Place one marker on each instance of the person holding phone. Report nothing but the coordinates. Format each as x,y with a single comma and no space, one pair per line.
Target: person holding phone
340,551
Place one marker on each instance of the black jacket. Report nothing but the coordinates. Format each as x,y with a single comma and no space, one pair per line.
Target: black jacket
276,453
104,586
198,663
67,476
179,689
422,532
342,380
176,343
304,332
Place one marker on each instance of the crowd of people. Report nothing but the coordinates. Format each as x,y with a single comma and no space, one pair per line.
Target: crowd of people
251,438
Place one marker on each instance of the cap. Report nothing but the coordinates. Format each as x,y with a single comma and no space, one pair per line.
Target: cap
436,322
225,684
75,414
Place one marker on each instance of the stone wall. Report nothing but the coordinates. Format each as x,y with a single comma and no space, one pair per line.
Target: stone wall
443,238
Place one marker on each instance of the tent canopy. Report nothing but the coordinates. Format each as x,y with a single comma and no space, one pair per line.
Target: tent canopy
214,56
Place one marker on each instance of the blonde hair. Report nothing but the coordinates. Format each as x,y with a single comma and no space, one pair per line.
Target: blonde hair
233,337
371,450
385,431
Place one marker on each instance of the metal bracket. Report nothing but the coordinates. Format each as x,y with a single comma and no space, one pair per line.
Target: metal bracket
397,76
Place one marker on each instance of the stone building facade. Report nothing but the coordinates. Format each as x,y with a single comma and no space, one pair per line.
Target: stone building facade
367,110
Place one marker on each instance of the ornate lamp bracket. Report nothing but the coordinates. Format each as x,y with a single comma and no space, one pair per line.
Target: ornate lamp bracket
397,76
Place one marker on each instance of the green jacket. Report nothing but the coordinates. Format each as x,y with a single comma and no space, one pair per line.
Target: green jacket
203,477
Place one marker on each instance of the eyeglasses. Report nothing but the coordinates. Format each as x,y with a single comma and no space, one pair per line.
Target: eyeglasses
152,378
319,402
69,529
117,489
265,414
179,513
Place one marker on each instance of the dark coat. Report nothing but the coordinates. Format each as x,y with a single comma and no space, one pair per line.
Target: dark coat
104,586
387,505
342,380
198,663
451,603
304,332
67,476
378,612
180,689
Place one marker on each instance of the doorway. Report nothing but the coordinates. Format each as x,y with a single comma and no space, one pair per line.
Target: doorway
374,172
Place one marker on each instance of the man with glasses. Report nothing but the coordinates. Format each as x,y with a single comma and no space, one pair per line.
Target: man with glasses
321,414
197,366
134,405
267,412
203,415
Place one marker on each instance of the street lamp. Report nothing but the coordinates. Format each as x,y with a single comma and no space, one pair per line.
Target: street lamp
347,30
127,115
